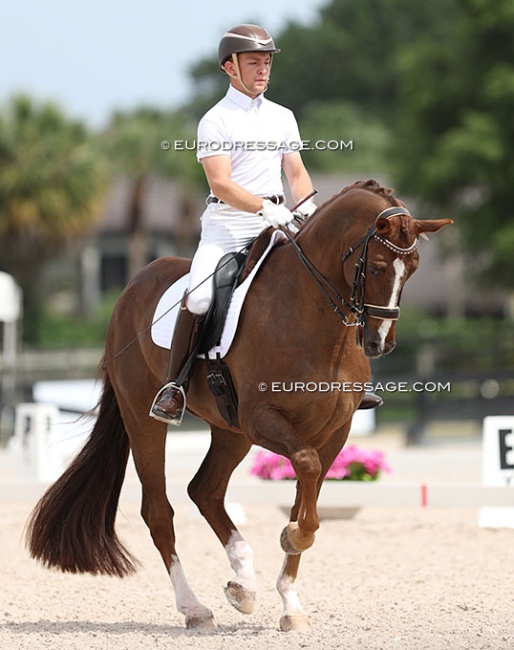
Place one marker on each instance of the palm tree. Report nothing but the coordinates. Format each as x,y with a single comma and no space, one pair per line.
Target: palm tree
133,142
52,182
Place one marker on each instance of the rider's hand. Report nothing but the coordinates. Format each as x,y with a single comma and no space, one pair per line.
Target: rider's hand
275,215
306,209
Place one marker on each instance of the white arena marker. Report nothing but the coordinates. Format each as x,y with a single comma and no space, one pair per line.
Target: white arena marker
498,468
32,440
46,439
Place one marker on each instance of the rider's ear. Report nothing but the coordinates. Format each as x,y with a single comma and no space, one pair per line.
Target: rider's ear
229,68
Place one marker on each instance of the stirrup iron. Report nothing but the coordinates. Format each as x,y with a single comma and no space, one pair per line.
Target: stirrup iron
176,421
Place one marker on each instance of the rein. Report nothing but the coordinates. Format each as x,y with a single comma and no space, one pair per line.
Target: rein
357,305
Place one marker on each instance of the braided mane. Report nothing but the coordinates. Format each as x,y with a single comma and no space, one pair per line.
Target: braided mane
372,186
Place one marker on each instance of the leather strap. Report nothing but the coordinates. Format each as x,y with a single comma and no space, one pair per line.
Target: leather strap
277,199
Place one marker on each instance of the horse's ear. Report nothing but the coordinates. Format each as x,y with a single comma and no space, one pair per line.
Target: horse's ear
430,225
382,225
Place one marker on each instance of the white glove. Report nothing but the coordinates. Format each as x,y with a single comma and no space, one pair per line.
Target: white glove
306,209
275,215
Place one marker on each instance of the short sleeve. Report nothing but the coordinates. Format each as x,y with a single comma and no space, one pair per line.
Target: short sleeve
293,139
211,137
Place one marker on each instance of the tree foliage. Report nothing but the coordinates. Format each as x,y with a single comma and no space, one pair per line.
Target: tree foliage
133,143
455,129
52,181
133,139
340,138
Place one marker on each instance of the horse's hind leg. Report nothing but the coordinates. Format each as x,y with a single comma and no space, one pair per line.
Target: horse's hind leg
207,490
148,451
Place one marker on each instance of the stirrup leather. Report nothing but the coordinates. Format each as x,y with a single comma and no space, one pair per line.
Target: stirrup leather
176,421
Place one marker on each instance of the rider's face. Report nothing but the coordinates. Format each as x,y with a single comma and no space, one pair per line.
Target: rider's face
255,71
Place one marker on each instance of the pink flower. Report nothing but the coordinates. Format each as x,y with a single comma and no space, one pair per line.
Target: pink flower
268,465
352,463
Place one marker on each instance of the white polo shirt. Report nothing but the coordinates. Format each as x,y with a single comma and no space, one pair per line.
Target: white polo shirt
255,133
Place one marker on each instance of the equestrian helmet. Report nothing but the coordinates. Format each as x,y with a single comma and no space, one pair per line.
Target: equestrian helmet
245,38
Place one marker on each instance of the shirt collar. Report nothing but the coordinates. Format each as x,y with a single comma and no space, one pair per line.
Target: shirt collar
242,100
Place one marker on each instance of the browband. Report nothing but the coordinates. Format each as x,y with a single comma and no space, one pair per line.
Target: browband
392,212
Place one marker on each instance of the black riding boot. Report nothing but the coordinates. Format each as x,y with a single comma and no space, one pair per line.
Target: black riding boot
169,403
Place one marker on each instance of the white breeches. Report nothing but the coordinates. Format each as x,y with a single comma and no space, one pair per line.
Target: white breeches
224,230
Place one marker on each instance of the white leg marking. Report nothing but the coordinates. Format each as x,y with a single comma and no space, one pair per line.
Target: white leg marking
187,602
399,267
286,586
240,556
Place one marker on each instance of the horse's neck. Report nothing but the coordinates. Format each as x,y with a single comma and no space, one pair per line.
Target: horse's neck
324,241
307,306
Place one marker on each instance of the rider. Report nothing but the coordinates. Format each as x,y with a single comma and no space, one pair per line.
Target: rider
244,142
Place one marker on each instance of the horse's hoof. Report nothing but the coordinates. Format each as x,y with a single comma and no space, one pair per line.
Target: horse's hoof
285,539
200,621
295,622
240,598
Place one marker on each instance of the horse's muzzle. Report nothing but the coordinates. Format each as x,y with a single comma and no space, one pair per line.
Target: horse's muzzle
374,346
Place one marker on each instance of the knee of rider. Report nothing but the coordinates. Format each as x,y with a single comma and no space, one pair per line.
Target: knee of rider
198,305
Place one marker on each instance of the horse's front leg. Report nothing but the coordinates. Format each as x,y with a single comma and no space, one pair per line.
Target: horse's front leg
299,534
294,616
207,490
274,431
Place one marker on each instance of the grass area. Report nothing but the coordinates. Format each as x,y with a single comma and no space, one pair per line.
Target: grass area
59,330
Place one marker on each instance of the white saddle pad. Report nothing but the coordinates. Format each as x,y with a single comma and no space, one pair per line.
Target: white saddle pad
169,304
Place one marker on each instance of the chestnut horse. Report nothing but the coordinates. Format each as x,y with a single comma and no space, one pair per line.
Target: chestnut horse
358,250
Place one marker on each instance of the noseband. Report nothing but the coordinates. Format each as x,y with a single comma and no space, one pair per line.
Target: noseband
356,304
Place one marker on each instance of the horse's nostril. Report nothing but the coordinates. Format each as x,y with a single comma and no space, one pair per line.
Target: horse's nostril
373,349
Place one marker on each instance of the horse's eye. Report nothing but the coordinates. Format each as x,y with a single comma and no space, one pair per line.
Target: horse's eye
373,269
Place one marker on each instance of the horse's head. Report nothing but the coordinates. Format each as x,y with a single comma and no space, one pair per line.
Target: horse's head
376,269
375,238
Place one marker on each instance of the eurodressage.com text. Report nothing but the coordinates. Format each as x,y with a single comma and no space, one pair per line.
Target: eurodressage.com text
257,145
354,387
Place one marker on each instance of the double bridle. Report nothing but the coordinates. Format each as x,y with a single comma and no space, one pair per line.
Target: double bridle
356,304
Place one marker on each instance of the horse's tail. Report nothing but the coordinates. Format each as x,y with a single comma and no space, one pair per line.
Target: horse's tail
72,526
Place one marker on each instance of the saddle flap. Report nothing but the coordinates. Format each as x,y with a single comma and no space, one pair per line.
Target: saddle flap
225,280
166,311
